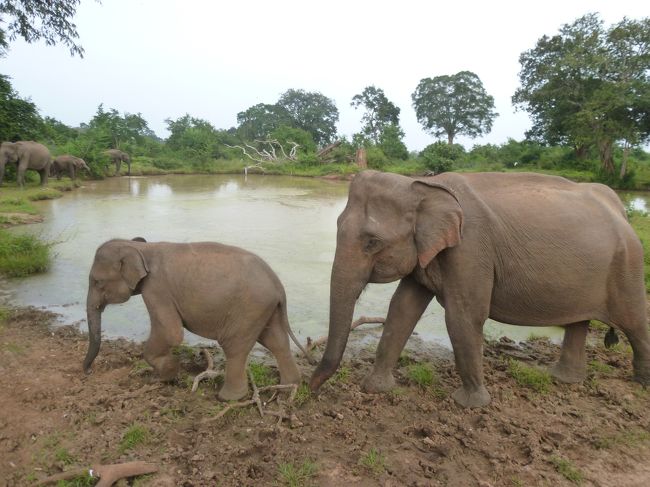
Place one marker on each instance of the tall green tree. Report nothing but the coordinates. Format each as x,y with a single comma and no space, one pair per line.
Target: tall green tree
19,118
380,112
312,112
454,105
589,86
33,20
260,120
390,142
114,130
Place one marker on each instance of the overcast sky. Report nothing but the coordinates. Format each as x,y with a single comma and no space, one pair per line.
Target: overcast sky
214,59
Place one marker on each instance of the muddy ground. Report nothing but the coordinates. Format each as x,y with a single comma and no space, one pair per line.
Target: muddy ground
54,418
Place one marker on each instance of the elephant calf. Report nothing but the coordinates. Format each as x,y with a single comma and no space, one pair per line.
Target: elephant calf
69,164
215,291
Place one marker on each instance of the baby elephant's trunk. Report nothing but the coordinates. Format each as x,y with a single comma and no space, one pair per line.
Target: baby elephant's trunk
94,315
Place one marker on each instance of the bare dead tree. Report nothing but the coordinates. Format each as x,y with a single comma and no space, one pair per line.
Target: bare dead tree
267,153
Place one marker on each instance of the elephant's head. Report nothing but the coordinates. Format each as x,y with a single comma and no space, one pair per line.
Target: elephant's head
390,225
117,272
81,164
8,155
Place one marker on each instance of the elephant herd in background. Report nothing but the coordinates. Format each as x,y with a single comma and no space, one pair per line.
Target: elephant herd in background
31,155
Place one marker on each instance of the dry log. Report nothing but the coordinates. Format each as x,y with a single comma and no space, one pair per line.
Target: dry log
108,474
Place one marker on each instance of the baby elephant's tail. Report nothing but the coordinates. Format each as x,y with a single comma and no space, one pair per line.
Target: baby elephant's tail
285,319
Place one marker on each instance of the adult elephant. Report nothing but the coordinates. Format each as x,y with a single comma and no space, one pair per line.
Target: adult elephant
117,157
67,164
523,249
26,155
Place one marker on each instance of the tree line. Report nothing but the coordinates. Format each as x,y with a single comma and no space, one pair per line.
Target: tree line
586,88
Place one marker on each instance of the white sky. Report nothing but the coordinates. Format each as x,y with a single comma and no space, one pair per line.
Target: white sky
213,59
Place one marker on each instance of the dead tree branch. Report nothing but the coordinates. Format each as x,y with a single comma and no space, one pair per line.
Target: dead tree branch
108,474
311,344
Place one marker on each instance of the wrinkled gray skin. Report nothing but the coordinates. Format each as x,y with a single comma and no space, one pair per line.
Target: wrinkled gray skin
523,249
26,155
117,157
215,291
67,164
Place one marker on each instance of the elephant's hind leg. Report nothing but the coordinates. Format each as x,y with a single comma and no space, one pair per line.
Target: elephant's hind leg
275,339
572,365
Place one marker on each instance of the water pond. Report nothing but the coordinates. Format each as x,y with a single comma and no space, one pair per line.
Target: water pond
290,222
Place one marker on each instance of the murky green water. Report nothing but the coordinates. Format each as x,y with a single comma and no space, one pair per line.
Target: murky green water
290,222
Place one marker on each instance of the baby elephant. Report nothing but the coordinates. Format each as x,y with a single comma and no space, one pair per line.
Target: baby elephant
216,291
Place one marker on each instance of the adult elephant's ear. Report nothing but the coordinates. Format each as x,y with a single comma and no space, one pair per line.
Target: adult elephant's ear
439,220
133,266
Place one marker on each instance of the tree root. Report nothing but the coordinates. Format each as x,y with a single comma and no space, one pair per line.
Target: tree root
209,371
311,344
108,474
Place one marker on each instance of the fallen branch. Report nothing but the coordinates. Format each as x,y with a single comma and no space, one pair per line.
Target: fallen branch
209,371
311,344
108,474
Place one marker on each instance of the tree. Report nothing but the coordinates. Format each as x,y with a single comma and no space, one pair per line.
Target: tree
312,112
260,120
380,111
112,130
454,105
588,86
390,142
19,118
33,20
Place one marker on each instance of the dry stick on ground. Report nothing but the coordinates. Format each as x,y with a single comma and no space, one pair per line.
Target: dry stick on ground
311,344
209,371
108,474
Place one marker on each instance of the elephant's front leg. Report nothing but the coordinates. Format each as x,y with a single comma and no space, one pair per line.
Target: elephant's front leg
465,330
406,308
166,332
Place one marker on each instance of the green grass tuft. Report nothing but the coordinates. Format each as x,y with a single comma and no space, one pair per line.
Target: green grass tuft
262,374
627,438
64,456
296,476
374,461
303,395
82,481
599,367
342,375
22,255
134,436
422,375
565,468
530,377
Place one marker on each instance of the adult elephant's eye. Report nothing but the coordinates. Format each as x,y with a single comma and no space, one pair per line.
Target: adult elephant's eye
373,244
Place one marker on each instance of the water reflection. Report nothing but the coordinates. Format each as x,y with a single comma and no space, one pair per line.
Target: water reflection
290,222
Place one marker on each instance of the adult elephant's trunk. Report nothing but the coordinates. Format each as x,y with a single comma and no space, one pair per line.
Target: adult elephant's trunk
94,315
345,288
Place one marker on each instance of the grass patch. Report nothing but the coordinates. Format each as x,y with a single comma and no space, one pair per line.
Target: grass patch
81,481
13,348
421,375
303,395
22,255
601,368
134,436
184,352
627,438
641,225
64,456
530,377
374,461
342,375
262,374
16,204
405,359
565,468
293,475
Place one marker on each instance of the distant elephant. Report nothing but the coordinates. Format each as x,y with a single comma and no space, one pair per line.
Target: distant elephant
69,164
26,154
117,157
522,249
215,291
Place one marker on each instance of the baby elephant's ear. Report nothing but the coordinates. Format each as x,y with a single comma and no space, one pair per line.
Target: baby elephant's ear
133,266
138,239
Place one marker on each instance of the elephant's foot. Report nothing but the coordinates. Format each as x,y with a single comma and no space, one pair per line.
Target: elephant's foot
375,383
166,368
568,374
472,398
642,372
233,393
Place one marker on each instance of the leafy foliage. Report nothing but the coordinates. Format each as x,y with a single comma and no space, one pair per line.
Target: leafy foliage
19,118
34,20
588,86
312,112
260,120
380,112
22,255
440,157
454,105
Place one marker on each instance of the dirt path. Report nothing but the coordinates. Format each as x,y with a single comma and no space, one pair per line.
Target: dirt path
54,418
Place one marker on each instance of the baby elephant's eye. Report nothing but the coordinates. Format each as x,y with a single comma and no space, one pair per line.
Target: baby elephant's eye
373,244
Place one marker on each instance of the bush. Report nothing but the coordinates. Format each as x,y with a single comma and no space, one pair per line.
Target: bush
440,157
376,157
22,255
